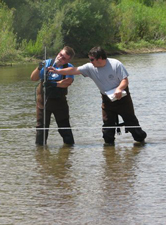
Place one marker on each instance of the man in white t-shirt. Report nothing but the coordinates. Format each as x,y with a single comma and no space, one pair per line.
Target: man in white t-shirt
108,73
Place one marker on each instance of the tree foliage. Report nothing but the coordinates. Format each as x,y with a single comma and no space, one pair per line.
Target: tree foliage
7,37
84,23
30,25
137,21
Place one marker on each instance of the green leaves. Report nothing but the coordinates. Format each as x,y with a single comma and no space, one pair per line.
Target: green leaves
137,21
7,37
85,25
82,24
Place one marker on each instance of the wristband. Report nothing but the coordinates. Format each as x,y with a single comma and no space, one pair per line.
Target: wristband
39,68
41,65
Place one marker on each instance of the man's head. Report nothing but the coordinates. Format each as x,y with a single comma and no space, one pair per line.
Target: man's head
64,56
97,56
97,53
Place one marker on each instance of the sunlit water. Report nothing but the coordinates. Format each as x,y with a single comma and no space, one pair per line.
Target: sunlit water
87,184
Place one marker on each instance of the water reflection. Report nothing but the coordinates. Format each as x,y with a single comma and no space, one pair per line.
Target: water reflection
56,164
119,180
120,168
96,184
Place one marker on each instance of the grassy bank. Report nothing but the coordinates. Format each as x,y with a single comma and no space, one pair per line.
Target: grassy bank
130,48
143,47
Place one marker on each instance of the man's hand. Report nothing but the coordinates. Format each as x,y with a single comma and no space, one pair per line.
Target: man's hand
118,94
123,84
52,69
41,65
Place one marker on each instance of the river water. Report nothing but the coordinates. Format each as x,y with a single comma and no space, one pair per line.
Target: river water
88,183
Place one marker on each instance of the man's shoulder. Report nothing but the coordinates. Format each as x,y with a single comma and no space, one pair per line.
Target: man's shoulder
70,65
113,60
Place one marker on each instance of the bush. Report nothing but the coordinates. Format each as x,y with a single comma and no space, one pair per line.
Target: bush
86,24
49,36
7,37
136,21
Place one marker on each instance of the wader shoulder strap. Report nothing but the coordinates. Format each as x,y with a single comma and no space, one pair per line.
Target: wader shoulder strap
65,66
52,62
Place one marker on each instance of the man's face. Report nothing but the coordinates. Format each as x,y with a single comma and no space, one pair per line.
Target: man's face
95,62
62,58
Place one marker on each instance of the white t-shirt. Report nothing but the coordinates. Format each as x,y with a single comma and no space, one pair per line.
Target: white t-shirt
107,77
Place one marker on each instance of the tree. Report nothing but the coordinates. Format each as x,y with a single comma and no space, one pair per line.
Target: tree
7,37
86,24
29,15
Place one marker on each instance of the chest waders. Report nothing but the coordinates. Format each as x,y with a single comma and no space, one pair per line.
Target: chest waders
124,108
55,103
51,91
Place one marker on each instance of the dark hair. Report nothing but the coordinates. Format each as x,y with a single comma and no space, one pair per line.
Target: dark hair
97,52
69,51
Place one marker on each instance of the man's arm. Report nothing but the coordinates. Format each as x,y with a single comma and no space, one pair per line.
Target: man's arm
123,84
62,83
65,82
66,71
35,75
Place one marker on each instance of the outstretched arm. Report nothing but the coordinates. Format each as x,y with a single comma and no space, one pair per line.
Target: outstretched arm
66,71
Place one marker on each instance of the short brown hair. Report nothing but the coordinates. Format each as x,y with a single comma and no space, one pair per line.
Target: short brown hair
97,52
69,51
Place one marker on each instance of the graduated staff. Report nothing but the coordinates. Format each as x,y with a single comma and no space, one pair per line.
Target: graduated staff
56,90
109,73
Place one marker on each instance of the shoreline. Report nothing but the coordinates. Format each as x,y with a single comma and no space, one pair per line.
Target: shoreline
146,51
138,51
119,52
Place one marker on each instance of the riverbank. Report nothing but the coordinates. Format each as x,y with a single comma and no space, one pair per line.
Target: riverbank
145,50
136,50
114,52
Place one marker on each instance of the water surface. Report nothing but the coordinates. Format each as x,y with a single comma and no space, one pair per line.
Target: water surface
89,183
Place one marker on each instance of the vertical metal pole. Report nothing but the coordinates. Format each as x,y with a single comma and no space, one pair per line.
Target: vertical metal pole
44,112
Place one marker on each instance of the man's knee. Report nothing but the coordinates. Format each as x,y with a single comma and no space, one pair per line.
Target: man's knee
68,140
109,135
40,137
138,134
67,137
